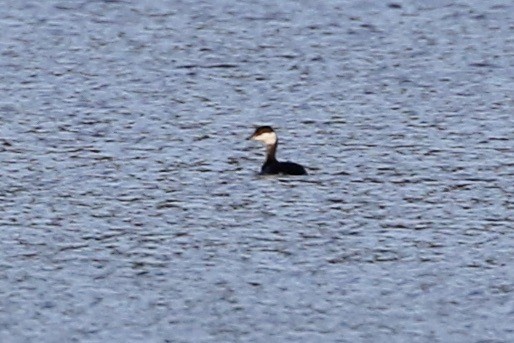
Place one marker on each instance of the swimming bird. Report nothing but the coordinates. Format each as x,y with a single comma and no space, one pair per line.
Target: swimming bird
266,135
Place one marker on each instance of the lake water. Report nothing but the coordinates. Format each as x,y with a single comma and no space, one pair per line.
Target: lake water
130,208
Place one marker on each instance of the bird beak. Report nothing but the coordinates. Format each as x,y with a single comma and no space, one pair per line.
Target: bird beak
250,138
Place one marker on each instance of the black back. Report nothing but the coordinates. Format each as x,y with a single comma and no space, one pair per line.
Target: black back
287,168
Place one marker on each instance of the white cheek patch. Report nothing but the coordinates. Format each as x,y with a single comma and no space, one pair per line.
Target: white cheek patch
267,138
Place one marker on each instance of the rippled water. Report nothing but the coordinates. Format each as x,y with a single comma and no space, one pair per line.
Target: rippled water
130,208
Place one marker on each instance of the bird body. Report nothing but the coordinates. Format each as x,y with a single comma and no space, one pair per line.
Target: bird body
271,166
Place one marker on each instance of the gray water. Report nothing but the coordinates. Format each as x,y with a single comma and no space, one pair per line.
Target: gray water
130,208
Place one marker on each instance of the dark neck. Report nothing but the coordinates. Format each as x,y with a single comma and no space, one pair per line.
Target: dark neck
271,151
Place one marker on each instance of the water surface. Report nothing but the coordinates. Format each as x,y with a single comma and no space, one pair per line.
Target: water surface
130,208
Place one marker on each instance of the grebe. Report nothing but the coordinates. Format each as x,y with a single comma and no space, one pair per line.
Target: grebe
266,135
